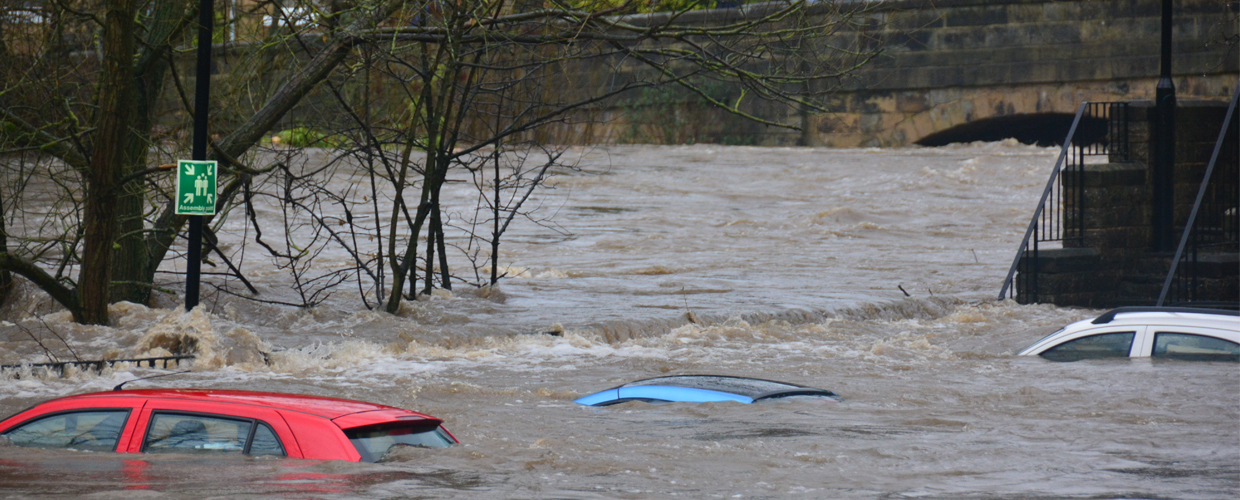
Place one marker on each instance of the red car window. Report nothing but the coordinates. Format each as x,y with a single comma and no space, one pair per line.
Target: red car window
197,433
265,442
96,430
228,427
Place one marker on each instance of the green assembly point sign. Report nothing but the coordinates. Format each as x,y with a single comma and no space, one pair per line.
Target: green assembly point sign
196,187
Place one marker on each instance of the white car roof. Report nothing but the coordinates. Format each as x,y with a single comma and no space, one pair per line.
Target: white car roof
1225,322
1165,318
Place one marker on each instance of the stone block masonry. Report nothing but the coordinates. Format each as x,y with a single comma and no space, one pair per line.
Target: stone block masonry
944,64
964,61
948,63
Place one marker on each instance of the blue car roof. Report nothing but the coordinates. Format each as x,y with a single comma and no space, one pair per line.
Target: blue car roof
659,393
701,389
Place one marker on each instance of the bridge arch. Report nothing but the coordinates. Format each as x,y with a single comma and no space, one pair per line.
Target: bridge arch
1032,114
1042,129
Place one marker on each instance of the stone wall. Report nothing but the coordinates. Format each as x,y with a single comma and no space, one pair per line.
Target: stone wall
952,62
945,63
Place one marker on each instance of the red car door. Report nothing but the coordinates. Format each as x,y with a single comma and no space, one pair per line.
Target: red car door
131,406
169,409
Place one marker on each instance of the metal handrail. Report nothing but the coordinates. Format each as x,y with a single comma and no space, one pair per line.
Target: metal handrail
1069,223
1046,193
1201,193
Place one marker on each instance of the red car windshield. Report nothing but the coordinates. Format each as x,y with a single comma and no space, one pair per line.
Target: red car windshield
373,443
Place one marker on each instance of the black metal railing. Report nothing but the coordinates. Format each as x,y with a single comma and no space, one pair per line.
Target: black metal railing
1099,129
1213,226
98,364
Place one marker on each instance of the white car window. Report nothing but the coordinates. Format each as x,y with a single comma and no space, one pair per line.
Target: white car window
1187,346
1106,345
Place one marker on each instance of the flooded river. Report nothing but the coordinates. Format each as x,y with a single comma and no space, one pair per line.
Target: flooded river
871,273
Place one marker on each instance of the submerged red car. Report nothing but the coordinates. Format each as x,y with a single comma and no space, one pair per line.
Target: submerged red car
223,421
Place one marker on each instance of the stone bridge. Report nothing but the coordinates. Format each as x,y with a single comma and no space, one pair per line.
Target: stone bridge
963,70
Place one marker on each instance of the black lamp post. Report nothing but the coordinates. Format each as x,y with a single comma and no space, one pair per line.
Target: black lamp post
202,99
1164,144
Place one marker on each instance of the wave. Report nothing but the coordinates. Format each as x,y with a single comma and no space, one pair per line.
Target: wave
218,344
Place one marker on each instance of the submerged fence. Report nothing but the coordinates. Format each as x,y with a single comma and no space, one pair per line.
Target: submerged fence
164,362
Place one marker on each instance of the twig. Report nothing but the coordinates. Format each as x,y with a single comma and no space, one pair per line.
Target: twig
211,243
36,340
901,287
226,291
62,339
688,312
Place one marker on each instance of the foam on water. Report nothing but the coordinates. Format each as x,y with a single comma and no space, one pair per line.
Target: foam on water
898,331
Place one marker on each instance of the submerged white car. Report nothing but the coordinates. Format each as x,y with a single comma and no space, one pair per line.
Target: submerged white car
1193,334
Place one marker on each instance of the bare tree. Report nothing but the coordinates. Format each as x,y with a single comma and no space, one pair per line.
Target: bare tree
410,91
474,63
93,107
516,172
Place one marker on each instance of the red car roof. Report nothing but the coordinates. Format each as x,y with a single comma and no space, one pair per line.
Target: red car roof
330,408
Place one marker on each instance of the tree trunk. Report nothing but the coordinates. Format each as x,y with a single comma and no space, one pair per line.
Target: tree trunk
430,255
408,267
495,223
107,163
434,234
6,277
445,276
131,256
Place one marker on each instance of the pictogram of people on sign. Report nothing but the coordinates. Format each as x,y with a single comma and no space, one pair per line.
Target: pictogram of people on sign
201,184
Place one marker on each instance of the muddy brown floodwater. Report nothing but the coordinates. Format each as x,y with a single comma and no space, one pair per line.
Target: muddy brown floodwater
778,263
